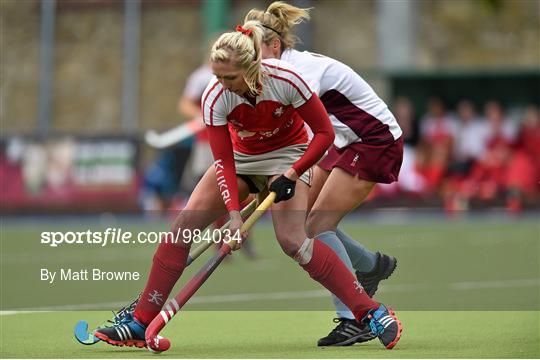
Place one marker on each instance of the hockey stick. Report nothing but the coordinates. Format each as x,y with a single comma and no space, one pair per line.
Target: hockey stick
82,335
175,135
81,328
175,304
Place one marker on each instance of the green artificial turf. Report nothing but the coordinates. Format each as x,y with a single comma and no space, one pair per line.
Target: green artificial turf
250,334
463,289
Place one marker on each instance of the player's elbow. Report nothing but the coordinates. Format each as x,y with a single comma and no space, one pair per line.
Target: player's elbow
328,135
331,136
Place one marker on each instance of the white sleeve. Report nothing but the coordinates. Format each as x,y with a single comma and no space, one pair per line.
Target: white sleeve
292,87
213,104
296,89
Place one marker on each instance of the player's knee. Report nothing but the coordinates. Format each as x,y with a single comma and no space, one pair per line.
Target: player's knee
289,249
317,223
177,234
289,244
188,221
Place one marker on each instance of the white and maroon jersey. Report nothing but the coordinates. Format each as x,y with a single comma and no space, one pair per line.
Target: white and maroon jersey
356,112
273,122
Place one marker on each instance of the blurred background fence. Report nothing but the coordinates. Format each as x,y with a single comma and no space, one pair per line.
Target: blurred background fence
81,81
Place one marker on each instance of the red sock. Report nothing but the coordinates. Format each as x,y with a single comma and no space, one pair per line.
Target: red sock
168,264
327,268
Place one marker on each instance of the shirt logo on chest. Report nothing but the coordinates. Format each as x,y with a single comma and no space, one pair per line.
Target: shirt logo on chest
279,111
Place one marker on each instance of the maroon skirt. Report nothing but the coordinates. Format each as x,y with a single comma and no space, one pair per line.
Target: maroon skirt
373,162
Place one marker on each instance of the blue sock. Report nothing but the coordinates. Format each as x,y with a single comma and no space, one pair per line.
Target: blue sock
331,239
361,258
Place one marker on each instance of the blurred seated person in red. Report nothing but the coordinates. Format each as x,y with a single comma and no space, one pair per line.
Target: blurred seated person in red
507,170
488,176
529,135
523,173
437,134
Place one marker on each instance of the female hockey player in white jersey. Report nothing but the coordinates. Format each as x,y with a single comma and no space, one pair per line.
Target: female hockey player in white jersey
368,149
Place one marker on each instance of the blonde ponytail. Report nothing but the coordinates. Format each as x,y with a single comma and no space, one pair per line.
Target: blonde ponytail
243,48
278,21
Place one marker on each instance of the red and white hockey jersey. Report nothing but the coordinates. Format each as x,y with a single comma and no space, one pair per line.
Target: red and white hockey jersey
269,125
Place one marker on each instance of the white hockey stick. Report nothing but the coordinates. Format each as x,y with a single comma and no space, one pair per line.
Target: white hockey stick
175,135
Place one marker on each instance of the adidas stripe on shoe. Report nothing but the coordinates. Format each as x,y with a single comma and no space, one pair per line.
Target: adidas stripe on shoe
385,325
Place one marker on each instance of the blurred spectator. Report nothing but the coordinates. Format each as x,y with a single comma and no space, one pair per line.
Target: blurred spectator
471,136
488,176
404,113
410,180
437,128
431,164
529,135
500,128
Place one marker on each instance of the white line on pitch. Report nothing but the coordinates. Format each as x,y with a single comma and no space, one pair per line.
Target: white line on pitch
497,284
288,295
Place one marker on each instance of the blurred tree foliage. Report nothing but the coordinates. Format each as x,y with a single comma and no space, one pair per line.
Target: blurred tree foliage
493,5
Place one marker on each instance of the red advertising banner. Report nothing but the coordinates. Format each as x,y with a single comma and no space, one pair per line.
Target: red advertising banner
74,174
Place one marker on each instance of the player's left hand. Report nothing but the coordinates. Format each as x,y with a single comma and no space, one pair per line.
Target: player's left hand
283,187
236,238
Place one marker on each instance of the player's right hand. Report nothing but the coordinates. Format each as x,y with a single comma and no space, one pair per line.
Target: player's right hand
283,187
